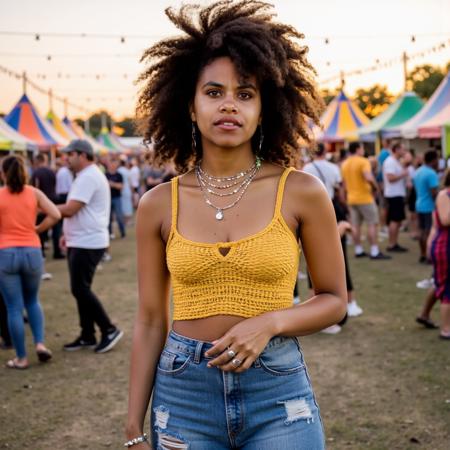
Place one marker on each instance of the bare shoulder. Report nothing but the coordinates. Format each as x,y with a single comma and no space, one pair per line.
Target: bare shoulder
301,186
155,205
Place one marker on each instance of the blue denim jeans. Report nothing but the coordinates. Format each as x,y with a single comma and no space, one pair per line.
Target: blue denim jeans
20,276
116,211
271,406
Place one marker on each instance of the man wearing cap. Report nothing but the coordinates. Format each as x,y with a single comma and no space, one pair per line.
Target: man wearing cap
86,218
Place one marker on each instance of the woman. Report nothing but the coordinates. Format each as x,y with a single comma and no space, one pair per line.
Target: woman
231,98
439,252
21,258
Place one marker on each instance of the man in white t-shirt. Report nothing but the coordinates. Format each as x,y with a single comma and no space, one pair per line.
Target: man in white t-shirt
394,178
86,236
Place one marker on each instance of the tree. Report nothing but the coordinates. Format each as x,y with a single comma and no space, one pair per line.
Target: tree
425,79
95,124
373,100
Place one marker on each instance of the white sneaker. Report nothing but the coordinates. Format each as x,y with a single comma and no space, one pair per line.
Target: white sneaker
334,329
353,310
427,283
301,275
107,257
296,300
46,276
112,236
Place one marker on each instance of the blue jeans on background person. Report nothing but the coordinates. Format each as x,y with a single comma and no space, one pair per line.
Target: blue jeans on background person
270,406
116,211
20,277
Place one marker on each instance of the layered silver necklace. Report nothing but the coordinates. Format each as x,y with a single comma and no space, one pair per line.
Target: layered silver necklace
225,186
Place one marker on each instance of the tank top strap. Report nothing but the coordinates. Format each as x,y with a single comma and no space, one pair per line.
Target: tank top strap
280,191
174,183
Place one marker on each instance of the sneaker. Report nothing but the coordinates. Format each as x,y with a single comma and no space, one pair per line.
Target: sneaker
334,329
46,276
112,236
380,255
106,257
397,249
109,341
296,300
353,310
427,283
360,255
79,344
301,275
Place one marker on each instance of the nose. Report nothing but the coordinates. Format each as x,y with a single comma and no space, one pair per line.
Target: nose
228,107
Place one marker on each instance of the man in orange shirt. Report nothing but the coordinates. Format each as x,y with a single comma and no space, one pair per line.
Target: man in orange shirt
359,183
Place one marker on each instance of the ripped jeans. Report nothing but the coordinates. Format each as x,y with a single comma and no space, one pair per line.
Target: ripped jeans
271,406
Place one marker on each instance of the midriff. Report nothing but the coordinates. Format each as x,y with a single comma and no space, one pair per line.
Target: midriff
206,329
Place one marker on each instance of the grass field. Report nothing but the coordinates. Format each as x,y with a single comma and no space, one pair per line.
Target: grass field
382,383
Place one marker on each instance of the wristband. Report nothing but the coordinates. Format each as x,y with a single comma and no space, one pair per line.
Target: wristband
136,440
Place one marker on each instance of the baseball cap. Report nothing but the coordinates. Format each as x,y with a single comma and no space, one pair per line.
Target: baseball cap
79,145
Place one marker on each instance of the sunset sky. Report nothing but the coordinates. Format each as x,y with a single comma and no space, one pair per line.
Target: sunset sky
98,72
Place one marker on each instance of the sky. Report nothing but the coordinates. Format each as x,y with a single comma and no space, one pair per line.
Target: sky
99,72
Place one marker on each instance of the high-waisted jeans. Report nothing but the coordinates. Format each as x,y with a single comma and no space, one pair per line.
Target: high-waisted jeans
20,276
271,406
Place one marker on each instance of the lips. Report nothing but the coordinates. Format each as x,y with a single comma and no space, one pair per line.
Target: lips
228,123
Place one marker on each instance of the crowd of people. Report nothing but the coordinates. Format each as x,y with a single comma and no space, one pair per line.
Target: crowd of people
72,204
397,189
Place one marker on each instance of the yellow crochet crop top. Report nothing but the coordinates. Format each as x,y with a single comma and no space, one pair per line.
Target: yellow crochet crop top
257,274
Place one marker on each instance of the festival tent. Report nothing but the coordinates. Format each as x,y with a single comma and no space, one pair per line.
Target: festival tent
25,119
109,141
341,120
60,126
437,102
15,141
432,128
405,107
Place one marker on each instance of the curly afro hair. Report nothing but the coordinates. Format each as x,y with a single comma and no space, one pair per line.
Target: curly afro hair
245,32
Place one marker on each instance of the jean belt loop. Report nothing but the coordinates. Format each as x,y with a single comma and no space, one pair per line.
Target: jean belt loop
198,352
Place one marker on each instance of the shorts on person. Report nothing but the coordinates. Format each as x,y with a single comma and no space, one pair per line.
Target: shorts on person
395,209
366,212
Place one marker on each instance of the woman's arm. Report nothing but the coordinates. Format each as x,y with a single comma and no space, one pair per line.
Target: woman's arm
151,324
443,207
322,248
52,214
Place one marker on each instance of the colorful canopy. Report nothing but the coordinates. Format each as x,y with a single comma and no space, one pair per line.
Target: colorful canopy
435,105
25,119
12,140
110,141
433,128
341,120
405,107
60,126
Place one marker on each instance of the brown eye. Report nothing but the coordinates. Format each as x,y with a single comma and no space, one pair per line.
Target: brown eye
213,93
245,95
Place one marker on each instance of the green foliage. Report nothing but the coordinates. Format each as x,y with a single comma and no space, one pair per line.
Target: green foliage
425,79
95,124
373,100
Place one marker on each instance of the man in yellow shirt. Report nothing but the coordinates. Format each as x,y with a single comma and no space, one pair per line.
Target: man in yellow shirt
359,183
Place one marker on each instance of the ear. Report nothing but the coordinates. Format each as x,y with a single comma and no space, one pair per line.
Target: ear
192,113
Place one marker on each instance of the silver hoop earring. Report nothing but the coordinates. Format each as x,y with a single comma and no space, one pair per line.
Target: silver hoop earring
194,137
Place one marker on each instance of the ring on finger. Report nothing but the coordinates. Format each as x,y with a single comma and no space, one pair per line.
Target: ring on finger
231,353
236,362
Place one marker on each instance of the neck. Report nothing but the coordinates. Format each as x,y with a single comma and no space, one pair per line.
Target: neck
227,163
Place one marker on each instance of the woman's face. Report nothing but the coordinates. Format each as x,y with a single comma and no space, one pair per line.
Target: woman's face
226,108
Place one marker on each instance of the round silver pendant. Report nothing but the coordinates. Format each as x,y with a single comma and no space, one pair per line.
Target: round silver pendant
219,215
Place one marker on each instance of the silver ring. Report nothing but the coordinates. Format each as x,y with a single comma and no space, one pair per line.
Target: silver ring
231,353
236,362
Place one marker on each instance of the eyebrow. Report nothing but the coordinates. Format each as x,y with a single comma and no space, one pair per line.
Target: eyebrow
241,86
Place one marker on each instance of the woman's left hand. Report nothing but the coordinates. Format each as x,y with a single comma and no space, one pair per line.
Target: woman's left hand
237,349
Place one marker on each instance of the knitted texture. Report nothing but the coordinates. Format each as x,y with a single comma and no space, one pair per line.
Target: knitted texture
257,274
